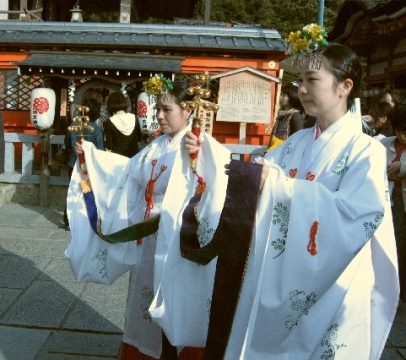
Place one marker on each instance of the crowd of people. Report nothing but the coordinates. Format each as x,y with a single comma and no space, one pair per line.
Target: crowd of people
388,125
292,256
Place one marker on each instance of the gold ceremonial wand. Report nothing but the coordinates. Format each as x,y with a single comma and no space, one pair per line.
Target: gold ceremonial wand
195,105
84,124
83,121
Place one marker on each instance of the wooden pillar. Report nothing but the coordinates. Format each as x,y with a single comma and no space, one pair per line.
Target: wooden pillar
125,11
44,176
50,12
207,10
135,16
14,5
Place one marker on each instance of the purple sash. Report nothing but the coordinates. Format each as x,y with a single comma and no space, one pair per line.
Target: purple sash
231,242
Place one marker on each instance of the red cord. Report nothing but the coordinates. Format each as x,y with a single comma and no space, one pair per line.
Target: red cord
312,247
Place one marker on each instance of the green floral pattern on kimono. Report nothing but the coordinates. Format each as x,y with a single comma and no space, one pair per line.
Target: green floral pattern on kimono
101,257
370,227
205,233
288,151
329,341
208,307
281,217
146,151
341,167
300,305
147,297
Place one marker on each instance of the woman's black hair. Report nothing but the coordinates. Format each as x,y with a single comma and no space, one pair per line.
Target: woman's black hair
393,94
380,109
94,108
344,64
179,92
293,94
399,119
116,102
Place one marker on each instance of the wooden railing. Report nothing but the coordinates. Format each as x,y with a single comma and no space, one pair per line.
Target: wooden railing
29,14
22,171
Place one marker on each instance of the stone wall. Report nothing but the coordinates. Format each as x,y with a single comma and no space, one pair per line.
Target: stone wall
28,194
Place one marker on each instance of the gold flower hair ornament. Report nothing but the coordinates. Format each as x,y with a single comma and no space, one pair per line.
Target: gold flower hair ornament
303,45
157,85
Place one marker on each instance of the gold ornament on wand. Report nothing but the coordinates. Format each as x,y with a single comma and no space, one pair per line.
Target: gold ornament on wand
83,120
196,104
84,124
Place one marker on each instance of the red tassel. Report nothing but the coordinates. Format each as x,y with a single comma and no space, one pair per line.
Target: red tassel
311,247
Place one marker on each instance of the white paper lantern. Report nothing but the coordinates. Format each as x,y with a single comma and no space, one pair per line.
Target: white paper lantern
146,113
42,109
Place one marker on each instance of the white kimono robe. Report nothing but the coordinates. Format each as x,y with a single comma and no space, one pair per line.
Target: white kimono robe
337,303
119,186
321,279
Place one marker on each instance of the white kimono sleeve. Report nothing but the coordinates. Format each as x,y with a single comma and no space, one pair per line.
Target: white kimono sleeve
91,258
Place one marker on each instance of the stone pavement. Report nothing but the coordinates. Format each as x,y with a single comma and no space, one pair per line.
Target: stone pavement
46,314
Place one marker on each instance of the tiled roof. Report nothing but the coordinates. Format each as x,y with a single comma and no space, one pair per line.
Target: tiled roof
180,38
57,62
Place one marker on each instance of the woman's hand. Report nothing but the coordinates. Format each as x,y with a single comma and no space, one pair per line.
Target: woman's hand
192,143
393,169
78,149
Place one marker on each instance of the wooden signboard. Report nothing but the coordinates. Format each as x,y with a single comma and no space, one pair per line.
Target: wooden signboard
244,97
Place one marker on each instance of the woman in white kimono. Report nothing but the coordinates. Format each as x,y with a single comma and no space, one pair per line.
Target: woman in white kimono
157,180
321,279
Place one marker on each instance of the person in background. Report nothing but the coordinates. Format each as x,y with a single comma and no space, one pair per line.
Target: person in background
323,248
367,125
91,93
94,93
122,131
95,136
290,118
309,121
390,96
381,113
396,167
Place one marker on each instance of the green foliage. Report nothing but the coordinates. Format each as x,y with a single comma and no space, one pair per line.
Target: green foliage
230,11
282,15
153,20
107,17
